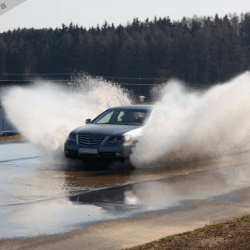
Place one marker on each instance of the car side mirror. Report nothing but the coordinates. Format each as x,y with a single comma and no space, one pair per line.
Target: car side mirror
88,121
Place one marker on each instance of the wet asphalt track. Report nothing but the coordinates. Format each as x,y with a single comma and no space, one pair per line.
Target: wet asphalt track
38,197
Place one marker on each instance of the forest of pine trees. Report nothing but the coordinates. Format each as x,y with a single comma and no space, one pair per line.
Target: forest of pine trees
196,50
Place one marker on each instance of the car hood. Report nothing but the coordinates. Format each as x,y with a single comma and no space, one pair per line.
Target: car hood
102,129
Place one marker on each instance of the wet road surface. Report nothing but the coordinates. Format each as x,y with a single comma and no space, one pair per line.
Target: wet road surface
42,196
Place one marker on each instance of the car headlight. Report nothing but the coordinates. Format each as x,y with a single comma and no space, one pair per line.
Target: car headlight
72,137
126,138
120,138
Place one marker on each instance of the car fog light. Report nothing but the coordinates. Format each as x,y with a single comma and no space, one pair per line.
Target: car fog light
117,154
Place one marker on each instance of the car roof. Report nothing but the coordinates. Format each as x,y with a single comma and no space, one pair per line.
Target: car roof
136,107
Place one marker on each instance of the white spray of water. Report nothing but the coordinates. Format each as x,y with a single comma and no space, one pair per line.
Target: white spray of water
45,113
186,124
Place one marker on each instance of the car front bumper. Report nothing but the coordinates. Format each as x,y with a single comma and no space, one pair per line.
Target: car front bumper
115,151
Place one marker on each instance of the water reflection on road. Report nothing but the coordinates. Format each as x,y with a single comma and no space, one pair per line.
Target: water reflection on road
41,197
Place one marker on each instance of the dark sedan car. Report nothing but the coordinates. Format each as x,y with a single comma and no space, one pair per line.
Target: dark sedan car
110,135
9,133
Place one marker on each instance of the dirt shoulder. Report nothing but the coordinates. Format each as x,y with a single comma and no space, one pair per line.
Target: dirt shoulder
14,138
227,235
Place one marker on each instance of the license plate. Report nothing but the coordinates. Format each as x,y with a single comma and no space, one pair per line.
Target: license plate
87,151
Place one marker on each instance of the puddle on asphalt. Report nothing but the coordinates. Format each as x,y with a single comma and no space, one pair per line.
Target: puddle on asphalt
37,198
120,202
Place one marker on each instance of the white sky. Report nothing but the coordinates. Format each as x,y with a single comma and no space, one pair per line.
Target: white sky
52,13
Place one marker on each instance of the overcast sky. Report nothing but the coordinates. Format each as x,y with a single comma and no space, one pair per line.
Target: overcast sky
52,13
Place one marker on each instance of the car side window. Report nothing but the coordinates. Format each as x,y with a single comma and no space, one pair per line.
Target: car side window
119,118
106,118
139,117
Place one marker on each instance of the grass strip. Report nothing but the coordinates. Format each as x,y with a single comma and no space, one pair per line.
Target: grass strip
233,234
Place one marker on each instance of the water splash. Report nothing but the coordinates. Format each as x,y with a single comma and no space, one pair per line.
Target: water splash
46,112
186,124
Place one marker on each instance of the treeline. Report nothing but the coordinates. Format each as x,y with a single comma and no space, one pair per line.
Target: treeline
197,50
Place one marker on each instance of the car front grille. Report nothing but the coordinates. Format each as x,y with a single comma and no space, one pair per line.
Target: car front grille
107,154
90,140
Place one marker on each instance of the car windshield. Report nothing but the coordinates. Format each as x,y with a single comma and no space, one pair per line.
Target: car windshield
122,117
